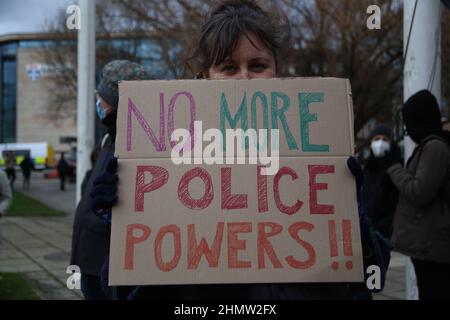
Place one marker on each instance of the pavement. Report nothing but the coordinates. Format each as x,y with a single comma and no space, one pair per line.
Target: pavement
39,247
395,287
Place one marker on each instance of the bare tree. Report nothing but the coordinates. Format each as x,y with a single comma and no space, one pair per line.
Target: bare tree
329,38
118,37
61,54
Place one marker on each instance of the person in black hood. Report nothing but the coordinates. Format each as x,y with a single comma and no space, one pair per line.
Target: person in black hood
422,117
90,239
379,193
422,218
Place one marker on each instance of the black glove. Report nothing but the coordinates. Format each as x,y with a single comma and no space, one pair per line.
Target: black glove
391,158
104,191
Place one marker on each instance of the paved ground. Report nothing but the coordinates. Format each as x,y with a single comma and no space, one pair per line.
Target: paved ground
40,247
395,281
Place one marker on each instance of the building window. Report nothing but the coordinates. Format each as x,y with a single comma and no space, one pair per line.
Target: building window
9,49
8,103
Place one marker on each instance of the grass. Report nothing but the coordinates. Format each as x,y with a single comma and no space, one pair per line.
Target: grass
24,206
14,286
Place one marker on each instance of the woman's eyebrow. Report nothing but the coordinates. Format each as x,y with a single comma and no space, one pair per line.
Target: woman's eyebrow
260,59
225,61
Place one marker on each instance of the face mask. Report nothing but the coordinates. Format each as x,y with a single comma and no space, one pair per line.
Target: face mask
100,111
380,148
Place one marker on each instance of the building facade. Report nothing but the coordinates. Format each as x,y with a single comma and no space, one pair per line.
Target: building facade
28,84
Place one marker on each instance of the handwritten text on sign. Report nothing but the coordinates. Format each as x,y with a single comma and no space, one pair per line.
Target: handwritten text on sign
179,224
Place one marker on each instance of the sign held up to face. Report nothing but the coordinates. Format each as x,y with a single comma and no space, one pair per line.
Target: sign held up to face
229,222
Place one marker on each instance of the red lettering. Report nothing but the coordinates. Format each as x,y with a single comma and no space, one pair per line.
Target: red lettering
293,232
235,245
276,191
195,250
262,191
131,240
159,178
231,201
183,189
265,245
168,266
314,207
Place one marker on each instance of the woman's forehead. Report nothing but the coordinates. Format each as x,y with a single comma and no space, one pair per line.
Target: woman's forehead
250,47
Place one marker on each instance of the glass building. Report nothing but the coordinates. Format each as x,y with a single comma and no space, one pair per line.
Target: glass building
144,51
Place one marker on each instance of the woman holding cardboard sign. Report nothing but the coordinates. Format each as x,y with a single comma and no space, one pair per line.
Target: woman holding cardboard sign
238,41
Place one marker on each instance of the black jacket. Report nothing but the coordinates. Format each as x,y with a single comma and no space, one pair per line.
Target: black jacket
27,166
90,239
260,291
380,196
62,167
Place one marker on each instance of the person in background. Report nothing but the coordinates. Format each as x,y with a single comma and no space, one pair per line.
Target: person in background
27,166
90,239
5,196
422,219
380,196
5,193
94,155
63,168
10,167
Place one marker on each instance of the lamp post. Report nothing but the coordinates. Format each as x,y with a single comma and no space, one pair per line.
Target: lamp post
86,86
422,70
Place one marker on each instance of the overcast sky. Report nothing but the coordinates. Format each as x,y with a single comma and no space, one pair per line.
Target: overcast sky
21,16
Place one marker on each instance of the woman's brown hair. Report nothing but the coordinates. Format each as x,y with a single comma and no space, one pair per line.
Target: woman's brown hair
230,20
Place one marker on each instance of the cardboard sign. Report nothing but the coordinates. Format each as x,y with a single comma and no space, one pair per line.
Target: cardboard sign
229,223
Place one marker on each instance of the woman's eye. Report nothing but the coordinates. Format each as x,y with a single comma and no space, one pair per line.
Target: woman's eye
258,67
228,68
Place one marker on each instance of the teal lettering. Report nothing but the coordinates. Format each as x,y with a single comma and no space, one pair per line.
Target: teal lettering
241,115
262,97
280,113
306,117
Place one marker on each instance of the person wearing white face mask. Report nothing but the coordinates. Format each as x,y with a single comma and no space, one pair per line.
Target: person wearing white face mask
379,193
380,145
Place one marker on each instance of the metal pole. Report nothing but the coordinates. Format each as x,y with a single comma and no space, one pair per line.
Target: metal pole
86,87
422,70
